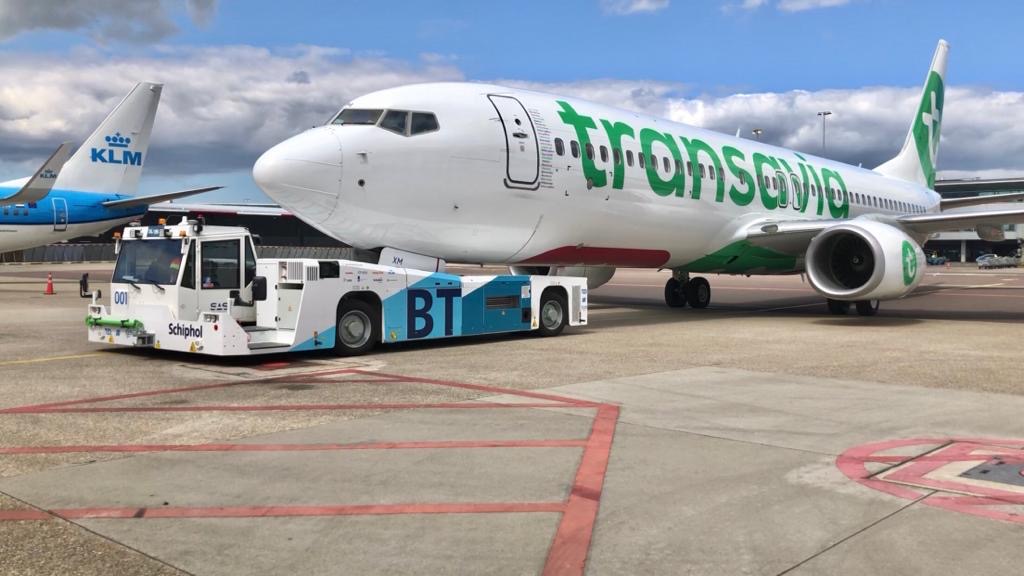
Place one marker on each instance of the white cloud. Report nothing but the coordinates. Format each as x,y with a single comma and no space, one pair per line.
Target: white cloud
744,5
221,107
646,97
801,5
136,21
785,5
632,6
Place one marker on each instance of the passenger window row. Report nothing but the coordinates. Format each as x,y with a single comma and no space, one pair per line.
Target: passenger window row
662,164
402,122
15,210
777,182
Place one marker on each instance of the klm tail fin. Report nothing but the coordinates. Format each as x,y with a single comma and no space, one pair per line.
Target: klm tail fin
916,161
111,159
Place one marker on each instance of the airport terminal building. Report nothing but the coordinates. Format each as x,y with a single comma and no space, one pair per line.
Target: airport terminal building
966,245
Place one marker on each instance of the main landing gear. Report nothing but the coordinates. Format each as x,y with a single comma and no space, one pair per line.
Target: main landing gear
864,307
681,290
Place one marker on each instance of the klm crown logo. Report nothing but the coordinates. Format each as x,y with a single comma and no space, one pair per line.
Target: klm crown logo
116,152
118,141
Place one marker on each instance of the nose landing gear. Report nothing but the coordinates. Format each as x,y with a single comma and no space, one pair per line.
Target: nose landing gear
681,290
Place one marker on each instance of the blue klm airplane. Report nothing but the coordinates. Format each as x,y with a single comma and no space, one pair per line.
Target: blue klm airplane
91,191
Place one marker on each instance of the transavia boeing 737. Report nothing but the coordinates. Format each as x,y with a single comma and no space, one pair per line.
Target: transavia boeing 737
548,184
92,191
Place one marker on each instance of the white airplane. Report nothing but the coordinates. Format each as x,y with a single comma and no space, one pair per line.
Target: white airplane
93,190
549,184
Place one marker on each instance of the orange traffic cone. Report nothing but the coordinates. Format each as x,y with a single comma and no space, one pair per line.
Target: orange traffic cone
49,285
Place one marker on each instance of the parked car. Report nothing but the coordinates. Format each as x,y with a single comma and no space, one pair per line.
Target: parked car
936,260
997,261
984,257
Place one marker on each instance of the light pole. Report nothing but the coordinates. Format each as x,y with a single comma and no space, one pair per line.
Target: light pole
757,133
824,114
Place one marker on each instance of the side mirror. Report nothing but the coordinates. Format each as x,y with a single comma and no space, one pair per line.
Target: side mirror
259,288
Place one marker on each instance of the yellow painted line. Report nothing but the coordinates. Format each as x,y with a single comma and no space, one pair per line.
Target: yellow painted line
47,359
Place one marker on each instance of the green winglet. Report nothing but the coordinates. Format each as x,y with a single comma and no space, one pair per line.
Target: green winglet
114,322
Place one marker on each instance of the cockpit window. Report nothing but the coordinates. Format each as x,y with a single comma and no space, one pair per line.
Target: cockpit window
394,121
357,116
422,122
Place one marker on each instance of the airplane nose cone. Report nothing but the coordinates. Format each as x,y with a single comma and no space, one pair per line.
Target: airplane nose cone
303,173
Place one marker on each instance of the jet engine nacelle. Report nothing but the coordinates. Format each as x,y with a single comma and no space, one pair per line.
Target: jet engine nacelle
864,260
595,275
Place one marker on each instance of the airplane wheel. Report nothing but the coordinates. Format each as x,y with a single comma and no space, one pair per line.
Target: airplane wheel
698,292
867,307
675,293
838,307
554,313
357,331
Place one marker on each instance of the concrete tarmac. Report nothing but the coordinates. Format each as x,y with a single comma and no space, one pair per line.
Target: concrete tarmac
759,436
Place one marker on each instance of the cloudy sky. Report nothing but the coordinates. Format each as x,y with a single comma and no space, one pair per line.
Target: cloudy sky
243,75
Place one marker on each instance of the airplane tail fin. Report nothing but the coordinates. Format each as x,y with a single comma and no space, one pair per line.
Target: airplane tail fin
916,161
111,159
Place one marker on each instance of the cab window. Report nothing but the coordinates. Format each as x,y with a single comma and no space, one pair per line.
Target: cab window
219,268
148,262
357,116
250,263
422,122
395,121
188,278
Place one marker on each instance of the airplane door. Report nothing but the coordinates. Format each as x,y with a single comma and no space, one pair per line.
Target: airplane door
522,166
796,191
60,215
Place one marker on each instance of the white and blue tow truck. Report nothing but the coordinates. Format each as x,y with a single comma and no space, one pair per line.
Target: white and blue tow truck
195,288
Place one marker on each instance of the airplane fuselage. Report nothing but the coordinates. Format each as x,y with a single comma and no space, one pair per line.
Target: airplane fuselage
60,215
515,176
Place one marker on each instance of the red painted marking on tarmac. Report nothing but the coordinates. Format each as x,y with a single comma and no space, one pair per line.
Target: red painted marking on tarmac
964,497
439,444
129,513
18,515
291,407
568,552
273,365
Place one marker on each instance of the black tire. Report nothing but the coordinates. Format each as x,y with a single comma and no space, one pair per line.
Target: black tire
357,329
675,293
867,307
554,313
698,292
838,307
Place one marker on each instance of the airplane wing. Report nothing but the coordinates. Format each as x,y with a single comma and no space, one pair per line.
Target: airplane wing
40,183
231,209
792,236
949,203
154,198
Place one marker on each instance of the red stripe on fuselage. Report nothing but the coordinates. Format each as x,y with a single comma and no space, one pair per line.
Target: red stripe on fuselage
597,256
